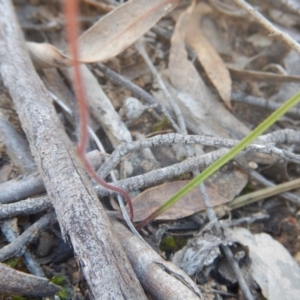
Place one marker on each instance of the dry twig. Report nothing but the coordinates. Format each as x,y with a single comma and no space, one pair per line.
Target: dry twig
175,138
79,213
268,25
18,246
17,283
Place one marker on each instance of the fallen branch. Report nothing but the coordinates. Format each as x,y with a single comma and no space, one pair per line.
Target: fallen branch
17,283
80,214
162,280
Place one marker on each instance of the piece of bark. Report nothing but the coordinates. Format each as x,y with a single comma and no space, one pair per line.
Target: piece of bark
161,279
79,212
19,283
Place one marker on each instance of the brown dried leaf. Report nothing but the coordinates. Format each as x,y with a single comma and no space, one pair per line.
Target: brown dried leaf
148,201
217,188
192,94
202,109
121,28
44,55
206,54
110,35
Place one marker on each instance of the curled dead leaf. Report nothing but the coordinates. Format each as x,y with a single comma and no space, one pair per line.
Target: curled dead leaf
109,36
192,94
44,55
212,63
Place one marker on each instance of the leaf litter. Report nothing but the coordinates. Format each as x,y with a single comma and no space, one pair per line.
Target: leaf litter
200,75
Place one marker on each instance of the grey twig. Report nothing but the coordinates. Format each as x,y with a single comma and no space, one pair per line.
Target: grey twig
157,176
150,178
137,91
237,272
39,204
129,184
18,150
287,136
18,246
174,138
15,190
233,263
263,103
286,38
24,208
11,231
140,47
287,195
19,283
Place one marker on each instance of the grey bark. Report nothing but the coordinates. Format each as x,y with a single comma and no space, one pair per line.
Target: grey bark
80,214
162,280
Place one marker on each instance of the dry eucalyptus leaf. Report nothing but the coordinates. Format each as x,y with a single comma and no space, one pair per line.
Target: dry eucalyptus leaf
121,28
151,199
44,55
192,94
198,105
273,268
109,36
212,63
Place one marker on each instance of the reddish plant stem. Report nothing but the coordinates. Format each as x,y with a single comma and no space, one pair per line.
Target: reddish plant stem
106,185
71,12
149,219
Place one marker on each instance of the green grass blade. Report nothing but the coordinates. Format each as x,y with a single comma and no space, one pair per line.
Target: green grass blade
225,158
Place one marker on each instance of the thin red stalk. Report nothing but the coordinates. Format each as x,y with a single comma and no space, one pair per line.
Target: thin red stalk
149,219
106,185
71,12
